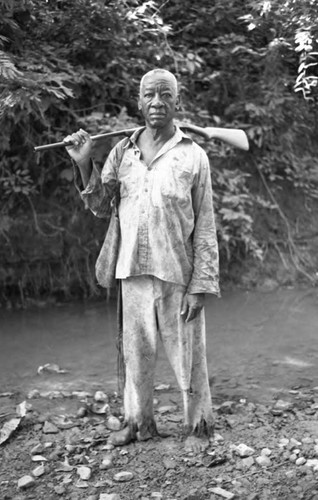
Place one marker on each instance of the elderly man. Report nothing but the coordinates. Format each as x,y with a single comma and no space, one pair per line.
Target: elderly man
168,256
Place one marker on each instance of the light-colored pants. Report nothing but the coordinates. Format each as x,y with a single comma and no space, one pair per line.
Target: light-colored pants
152,307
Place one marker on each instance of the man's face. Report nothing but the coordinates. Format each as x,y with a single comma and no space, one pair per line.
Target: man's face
158,100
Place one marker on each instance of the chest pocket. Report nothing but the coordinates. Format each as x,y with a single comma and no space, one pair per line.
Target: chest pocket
172,183
128,180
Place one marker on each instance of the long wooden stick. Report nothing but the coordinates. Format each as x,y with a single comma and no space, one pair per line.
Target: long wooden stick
234,137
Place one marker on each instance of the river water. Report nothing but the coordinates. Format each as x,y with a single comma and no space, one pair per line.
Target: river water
258,344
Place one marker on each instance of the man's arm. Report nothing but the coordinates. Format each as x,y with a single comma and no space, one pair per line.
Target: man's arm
205,275
96,188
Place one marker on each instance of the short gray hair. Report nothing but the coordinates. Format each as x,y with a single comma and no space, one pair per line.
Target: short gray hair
159,70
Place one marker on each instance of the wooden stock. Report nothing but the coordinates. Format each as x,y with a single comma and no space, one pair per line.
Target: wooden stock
234,137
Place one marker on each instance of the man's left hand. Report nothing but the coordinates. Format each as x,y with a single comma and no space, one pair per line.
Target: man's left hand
191,305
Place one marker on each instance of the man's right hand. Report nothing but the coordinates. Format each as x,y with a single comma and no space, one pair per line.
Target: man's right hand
82,148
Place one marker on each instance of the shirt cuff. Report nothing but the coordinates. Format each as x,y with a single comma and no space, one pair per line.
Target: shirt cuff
204,286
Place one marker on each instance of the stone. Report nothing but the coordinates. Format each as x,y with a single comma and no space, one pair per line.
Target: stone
263,461
243,450
293,458
247,462
301,461
266,452
167,409
293,442
49,428
307,440
113,423
282,405
100,396
109,496
123,476
107,462
282,443
312,462
39,448
59,489
25,482
84,472
222,493
38,458
38,471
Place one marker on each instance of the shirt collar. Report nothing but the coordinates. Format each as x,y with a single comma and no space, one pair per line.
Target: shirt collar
178,136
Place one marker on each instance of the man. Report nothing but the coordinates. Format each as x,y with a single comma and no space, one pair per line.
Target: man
168,256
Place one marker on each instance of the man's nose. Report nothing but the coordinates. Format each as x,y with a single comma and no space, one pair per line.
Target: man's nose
157,101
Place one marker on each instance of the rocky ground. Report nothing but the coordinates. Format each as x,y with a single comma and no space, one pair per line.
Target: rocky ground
54,446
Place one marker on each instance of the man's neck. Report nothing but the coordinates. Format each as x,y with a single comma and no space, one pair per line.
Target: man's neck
160,135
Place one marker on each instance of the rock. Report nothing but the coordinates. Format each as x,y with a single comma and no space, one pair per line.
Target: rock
282,405
33,394
222,493
100,396
84,472
247,462
109,496
263,461
38,458
60,489
293,457
107,462
217,438
113,423
81,394
50,428
37,449
156,494
38,471
167,409
290,474
293,442
301,461
282,443
312,462
123,476
81,484
81,412
307,440
266,452
243,450
25,482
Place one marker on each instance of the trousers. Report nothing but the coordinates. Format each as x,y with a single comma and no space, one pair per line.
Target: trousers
151,310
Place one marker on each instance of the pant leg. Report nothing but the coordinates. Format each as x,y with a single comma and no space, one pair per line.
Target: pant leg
139,348
185,345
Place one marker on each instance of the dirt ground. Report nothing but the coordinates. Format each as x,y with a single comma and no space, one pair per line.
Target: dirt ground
258,451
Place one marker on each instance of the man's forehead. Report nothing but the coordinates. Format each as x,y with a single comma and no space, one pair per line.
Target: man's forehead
164,81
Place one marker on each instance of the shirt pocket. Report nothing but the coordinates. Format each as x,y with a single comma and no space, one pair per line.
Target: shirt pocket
172,184
127,179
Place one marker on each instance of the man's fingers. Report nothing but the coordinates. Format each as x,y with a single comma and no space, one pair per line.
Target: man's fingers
184,307
192,313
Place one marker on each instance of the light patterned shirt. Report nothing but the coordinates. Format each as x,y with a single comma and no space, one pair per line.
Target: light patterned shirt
165,211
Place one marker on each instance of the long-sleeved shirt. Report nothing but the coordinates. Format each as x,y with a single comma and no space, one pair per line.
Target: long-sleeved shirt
165,211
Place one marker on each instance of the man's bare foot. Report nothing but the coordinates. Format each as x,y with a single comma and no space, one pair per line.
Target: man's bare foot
122,437
196,444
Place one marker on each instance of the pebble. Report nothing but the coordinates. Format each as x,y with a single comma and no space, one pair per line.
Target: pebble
109,496
300,461
100,396
167,409
60,489
123,476
49,428
307,440
263,461
282,443
282,405
243,450
84,473
312,462
290,474
266,452
294,442
25,482
113,423
293,458
38,458
107,462
222,493
248,462
38,471
39,448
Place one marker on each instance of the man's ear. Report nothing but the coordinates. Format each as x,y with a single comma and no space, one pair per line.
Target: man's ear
178,103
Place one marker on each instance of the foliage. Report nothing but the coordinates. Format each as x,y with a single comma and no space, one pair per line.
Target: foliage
63,65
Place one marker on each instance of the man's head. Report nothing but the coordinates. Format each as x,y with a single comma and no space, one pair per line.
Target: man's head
158,97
